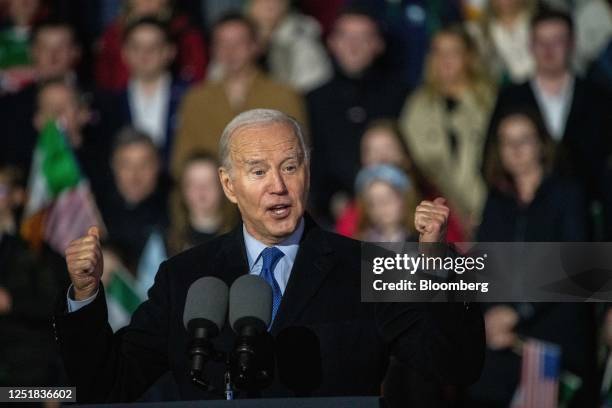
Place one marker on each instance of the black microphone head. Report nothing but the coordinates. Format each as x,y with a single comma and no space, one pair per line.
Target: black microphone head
206,304
298,359
250,304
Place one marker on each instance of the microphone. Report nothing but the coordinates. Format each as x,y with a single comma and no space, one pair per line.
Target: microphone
204,317
250,313
298,359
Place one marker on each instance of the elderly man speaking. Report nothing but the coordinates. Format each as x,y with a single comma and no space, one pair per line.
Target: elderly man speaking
316,285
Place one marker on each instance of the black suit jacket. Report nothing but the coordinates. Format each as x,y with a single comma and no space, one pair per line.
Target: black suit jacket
444,342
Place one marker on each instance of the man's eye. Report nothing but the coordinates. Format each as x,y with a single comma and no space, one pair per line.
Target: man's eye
258,172
291,168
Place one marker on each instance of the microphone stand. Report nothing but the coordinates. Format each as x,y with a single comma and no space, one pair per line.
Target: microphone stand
201,352
229,386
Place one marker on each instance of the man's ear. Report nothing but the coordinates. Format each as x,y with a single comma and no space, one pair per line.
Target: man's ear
227,184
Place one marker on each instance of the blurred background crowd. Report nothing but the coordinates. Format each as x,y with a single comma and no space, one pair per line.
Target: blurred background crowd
504,107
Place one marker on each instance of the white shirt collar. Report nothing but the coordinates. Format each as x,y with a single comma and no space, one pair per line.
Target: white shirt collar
566,90
289,246
149,112
164,84
555,108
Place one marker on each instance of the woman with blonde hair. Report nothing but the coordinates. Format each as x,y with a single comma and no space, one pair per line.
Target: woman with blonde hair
200,210
503,36
445,121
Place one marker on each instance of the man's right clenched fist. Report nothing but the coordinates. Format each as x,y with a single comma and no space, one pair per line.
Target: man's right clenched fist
85,264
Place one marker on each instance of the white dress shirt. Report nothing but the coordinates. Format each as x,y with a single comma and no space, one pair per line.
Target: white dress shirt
150,112
555,108
289,247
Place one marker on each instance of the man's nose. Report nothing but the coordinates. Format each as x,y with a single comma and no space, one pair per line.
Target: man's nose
278,185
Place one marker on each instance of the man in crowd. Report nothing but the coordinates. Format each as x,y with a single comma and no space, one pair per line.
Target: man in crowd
360,90
61,101
210,106
151,100
136,206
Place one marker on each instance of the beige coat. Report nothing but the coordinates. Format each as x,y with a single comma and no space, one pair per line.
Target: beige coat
425,123
206,111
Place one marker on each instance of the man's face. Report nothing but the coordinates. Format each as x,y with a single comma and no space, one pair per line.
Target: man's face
551,46
136,168
54,52
60,102
355,43
57,102
234,46
269,180
147,53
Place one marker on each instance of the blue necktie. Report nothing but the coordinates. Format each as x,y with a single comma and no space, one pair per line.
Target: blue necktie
270,257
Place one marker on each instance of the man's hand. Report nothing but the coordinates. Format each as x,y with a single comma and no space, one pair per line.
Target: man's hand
85,264
6,301
430,219
499,324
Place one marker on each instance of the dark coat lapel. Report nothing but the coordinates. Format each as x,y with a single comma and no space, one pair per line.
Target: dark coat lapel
231,262
529,97
312,264
575,111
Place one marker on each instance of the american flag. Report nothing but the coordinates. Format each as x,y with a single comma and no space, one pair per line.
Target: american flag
539,387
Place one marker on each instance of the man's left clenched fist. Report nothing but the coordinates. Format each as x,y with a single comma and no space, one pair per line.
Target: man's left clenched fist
431,219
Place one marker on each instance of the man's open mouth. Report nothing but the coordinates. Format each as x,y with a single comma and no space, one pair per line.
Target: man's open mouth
280,210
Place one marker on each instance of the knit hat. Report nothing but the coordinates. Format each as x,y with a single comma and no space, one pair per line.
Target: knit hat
382,172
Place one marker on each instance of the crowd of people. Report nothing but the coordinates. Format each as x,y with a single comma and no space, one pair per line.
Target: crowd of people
500,106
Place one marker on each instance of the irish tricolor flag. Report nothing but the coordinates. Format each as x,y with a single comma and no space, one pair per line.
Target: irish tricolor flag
60,205
122,298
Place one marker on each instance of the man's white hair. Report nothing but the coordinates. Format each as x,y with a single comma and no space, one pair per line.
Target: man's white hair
255,118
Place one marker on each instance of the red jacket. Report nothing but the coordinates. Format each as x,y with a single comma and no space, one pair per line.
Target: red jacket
346,224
